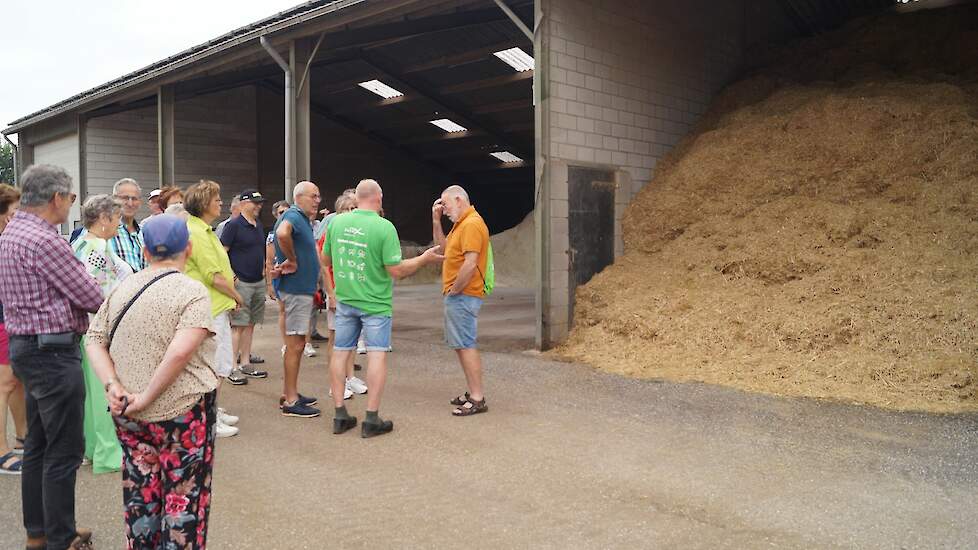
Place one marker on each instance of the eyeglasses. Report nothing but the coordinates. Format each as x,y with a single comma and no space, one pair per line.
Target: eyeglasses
128,198
71,196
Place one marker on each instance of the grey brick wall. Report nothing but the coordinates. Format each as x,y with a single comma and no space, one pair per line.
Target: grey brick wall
626,80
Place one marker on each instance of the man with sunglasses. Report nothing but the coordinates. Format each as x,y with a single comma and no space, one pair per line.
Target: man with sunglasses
128,244
47,295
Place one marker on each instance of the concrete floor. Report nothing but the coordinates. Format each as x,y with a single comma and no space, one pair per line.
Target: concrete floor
567,458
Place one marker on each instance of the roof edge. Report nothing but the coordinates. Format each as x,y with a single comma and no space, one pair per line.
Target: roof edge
302,12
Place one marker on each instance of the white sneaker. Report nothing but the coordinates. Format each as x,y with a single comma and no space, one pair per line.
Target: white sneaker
283,351
223,430
224,418
356,385
361,349
309,351
347,393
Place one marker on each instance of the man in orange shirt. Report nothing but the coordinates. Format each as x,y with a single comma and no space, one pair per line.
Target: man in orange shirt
466,250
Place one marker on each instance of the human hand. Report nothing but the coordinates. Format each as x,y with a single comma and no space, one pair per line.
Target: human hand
271,291
437,210
137,402
288,267
432,255
114,396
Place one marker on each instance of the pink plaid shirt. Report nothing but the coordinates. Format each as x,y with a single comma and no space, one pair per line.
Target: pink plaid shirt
43,286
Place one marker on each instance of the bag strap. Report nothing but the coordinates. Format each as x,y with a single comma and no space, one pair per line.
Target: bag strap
118,319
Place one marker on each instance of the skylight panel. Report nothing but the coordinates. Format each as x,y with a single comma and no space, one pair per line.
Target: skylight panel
517,59
507,157
381,89
448,125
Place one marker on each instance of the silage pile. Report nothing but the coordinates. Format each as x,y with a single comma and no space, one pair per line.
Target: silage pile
818,234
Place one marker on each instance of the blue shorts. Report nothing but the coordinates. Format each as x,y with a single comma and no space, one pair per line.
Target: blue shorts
349,321
462,321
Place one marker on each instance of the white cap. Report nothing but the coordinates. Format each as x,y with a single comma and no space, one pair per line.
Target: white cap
154,193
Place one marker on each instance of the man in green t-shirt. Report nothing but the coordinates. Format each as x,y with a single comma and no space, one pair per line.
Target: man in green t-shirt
365,254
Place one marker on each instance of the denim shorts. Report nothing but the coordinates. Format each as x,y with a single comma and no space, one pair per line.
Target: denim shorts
349,321
462,321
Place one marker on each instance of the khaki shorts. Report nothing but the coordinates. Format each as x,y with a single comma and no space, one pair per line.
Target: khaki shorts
253,310
298,313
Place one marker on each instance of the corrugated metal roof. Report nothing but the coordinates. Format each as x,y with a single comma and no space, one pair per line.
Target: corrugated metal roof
304,11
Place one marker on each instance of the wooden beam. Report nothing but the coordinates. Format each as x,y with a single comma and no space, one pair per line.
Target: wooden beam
493,82
503,107
451,108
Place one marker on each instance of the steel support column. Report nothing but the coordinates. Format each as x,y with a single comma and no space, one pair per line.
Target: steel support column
300,55
166,135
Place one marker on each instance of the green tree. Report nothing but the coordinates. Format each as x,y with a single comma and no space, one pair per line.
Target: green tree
6,163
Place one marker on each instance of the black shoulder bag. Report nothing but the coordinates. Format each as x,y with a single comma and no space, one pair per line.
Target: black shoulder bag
115,324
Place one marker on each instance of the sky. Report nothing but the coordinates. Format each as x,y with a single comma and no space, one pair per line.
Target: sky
51,50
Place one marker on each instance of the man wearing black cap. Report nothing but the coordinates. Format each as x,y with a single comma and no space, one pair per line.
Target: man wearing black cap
244,239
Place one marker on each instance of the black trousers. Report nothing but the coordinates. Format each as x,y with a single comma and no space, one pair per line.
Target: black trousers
55,444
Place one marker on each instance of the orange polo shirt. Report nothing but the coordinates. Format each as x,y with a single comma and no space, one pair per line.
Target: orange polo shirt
470,234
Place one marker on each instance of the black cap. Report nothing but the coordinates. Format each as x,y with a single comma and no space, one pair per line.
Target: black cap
253,196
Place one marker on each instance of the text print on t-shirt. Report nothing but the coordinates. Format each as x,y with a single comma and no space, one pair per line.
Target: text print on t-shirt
352,256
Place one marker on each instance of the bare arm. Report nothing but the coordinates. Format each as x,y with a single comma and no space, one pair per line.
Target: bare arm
183,346
227,288
284,237
465,273
409,267
326,262
437,233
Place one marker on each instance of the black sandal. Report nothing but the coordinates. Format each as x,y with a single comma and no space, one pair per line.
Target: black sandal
460,400
471,407
11,464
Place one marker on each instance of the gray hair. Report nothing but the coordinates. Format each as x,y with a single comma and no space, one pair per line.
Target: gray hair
301,188
456,191
126,181
41,182
97,205
177,210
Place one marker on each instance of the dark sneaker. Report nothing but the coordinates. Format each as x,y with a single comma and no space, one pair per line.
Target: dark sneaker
300,410
368,429
357,367
341,425
318,337
256,359
236,378
252,372
307,401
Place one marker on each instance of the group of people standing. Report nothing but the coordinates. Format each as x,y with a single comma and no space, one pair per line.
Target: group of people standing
118,341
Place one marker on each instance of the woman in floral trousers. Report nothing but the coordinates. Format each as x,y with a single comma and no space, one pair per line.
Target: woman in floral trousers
151,344
166,480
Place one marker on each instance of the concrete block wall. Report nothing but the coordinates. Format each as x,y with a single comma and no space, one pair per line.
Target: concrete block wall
625,80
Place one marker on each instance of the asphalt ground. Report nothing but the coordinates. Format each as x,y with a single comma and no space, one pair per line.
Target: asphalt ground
566,458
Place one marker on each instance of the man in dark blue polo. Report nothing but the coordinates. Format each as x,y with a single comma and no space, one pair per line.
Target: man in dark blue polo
244,239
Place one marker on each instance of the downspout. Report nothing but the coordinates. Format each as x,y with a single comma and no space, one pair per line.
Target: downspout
14,146
289,117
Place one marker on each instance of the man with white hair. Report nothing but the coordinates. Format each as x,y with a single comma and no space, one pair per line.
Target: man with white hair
128,244
298,263
365,253
235,212
464,286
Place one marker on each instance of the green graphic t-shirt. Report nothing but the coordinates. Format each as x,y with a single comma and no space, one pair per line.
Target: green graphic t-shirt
360,244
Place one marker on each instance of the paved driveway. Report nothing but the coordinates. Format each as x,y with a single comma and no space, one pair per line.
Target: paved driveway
569,458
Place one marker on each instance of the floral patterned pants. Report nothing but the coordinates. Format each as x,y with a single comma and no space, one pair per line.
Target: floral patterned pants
166,478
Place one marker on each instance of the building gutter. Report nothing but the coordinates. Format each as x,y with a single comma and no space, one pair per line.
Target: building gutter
179,61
